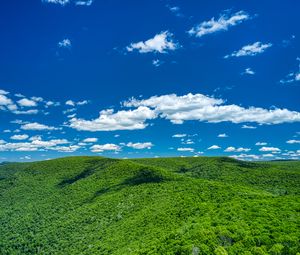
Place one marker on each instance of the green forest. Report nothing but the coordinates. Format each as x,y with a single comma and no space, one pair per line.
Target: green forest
169,206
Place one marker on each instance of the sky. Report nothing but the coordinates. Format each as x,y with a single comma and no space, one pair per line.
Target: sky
161,78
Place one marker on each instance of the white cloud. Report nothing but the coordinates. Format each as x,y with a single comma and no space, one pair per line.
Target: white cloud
61,2
24,102
233,149
268,155
214,147
272,149
90,140
221,24
248,127
199,107
70,103
39,145
248,71
27,112
157,62
140,146
105,147
293,141
110,120
37,126
160,43
84,2
19,137
3,92
179,135
65,43
245,156
223,135
186,149
261,144
293,76
250,50
4,100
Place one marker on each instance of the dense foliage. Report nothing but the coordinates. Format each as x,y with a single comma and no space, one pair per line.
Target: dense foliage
94,205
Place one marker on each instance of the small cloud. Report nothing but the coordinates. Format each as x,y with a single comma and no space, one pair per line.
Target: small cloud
90,140
60,2
179,135
36,126
84,2
24,102
221,24
160,43
233,149
248,127
105,147
293,141
175,10
248,71
292,77
214,147
222,135
261,144
157,62
65,43
250,50
19,137
272,149
186,149
140,146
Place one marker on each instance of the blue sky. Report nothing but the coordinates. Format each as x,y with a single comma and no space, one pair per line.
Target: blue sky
149,78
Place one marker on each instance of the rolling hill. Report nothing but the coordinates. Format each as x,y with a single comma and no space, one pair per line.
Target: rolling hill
96,205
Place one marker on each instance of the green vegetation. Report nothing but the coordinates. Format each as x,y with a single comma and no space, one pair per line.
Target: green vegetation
95,205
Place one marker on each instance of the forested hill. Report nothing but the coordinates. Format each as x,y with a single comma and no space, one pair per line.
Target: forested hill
96,205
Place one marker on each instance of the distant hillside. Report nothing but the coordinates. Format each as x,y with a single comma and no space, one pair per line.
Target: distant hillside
168,206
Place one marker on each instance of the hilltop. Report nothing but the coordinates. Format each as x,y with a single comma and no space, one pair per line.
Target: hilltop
96,205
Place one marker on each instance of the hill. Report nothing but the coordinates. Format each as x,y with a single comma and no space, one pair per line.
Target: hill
95,205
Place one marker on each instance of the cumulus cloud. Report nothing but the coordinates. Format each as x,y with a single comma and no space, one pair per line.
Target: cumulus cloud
293,141
199,107
179,135
261,144
222,135
24,102
90,140
292,76
233,149
223,23
214,147
65,43
60,2
84,2
271,149
105,147
186,149
140,146
250,50
160,43
19,137
37,144
248,127
110,120
244,156
73,103
37,126
248,71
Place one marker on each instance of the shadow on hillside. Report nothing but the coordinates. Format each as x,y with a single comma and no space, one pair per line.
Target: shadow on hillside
144,176
93,166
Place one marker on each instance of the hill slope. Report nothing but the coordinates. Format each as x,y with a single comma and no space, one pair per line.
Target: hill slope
94,205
